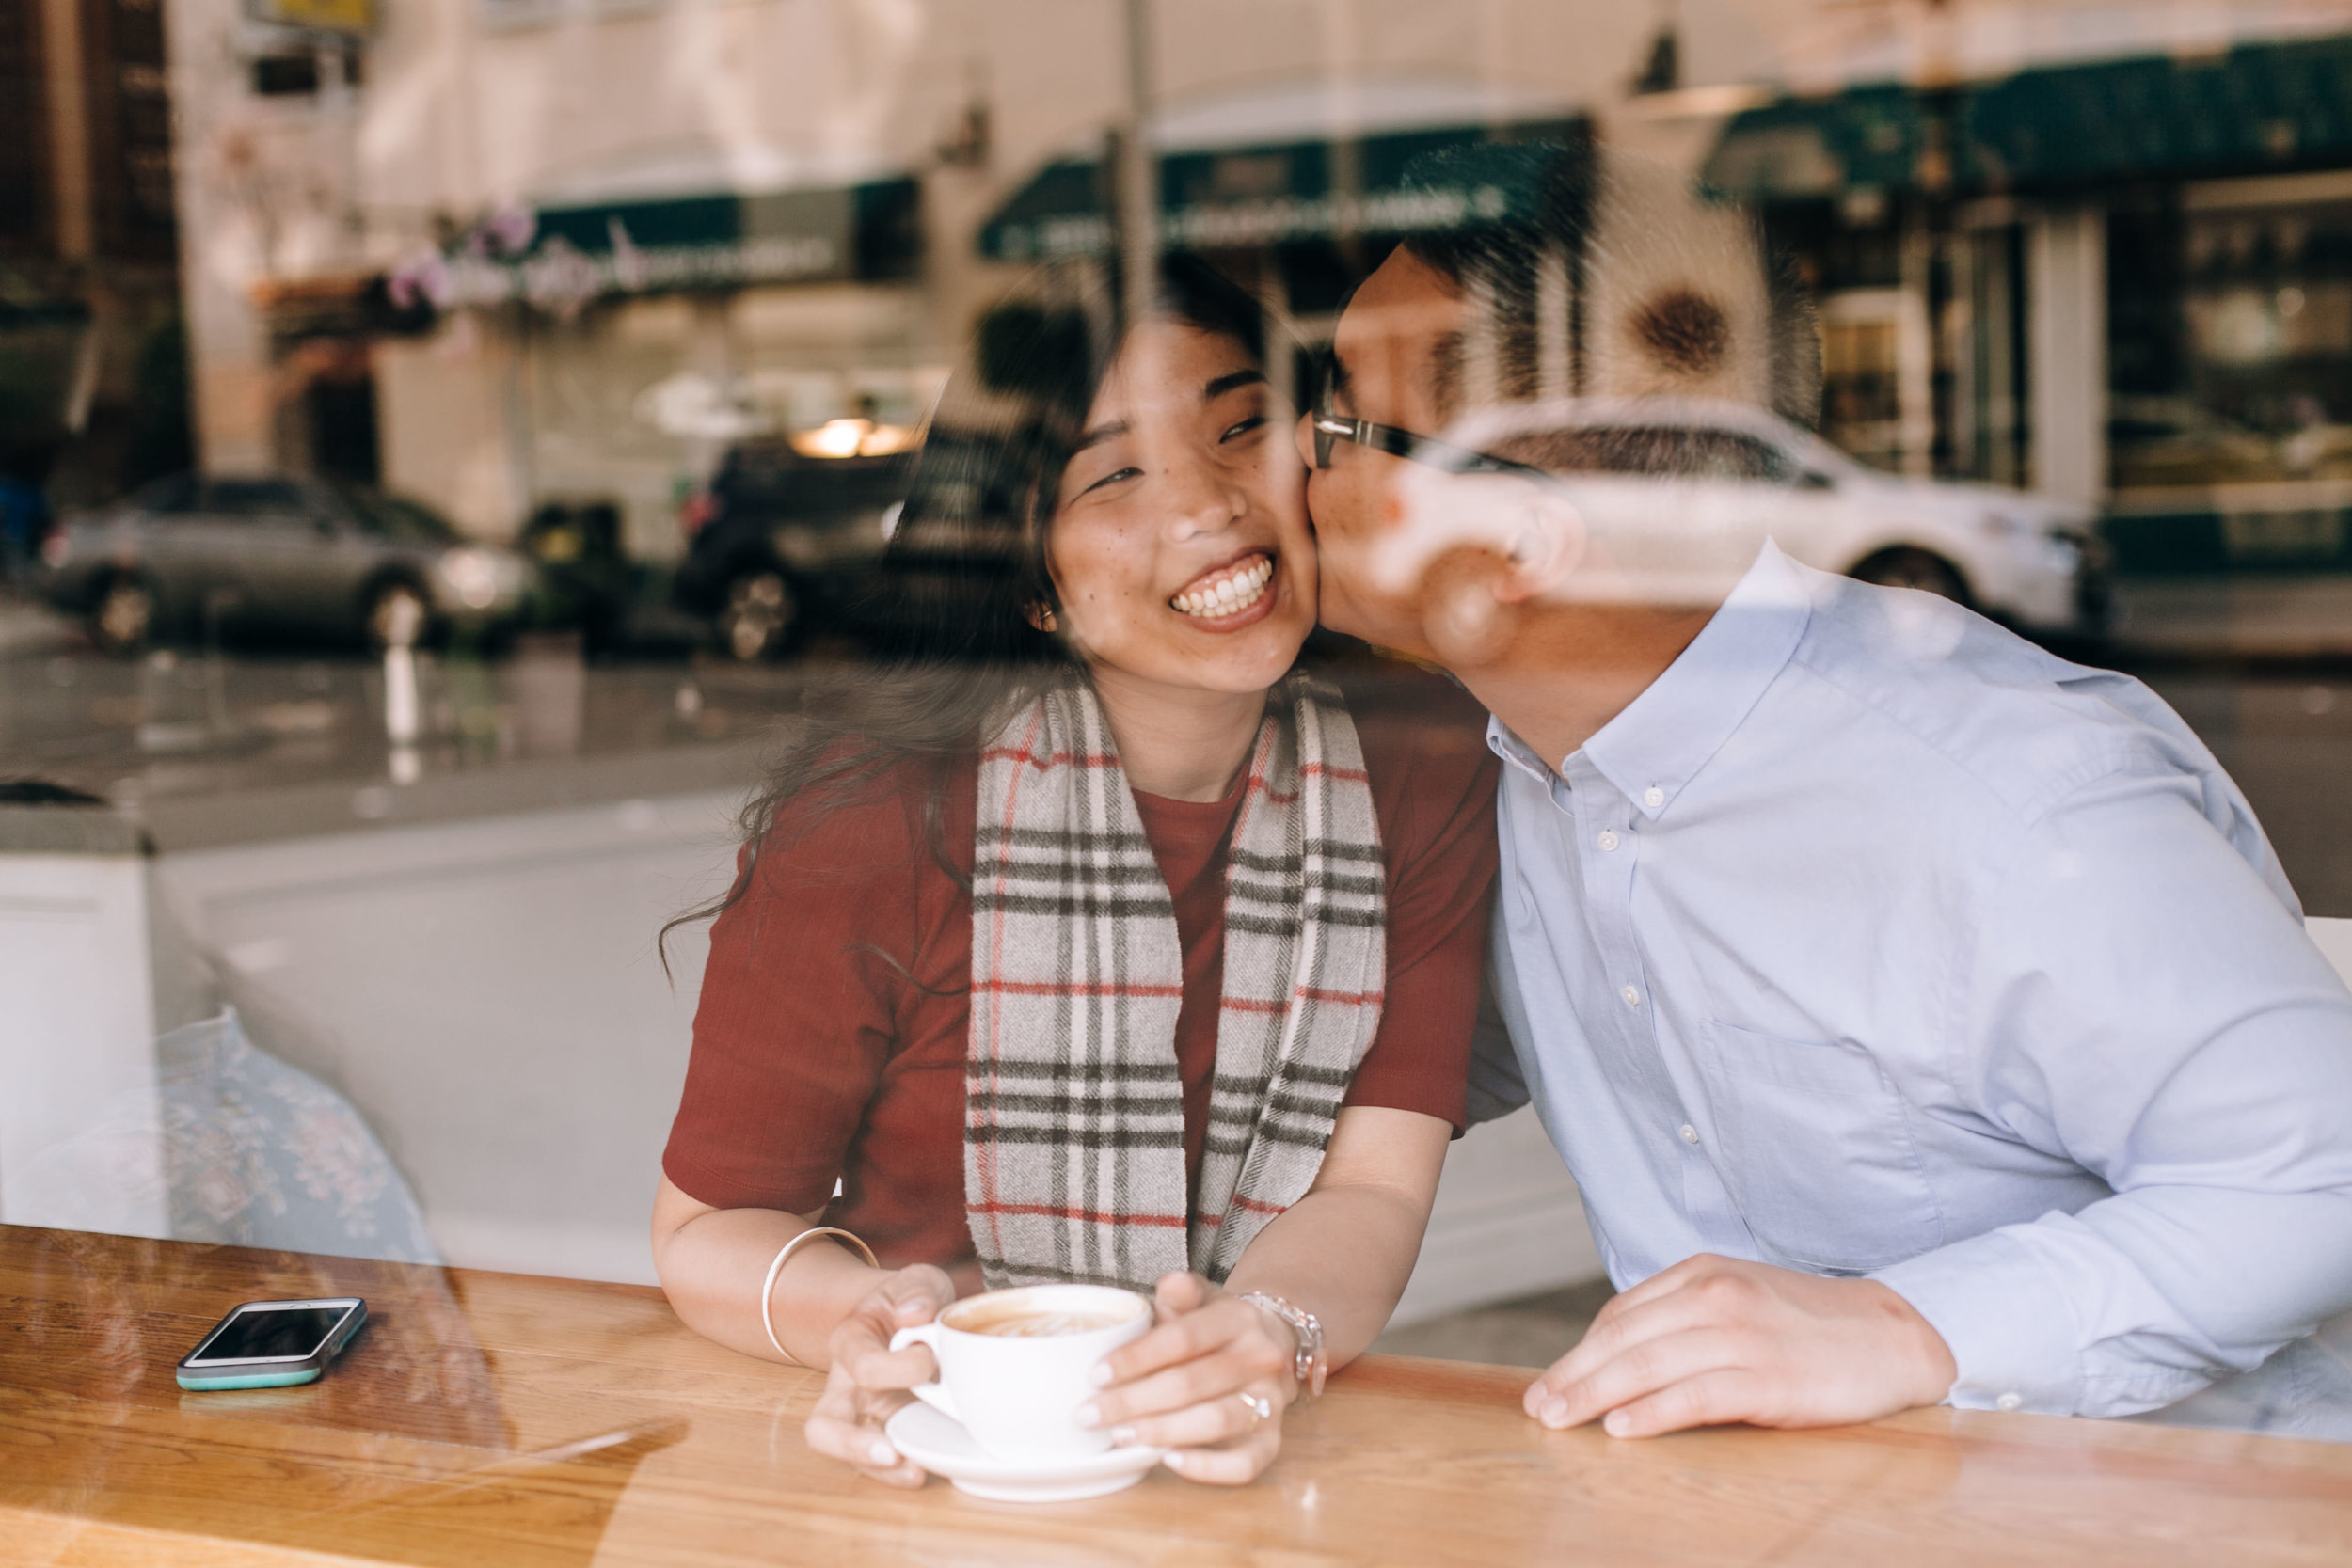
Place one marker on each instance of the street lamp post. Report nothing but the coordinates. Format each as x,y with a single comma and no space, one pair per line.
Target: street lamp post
1137,182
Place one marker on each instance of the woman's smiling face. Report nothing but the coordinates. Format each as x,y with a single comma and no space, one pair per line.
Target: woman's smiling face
1178,544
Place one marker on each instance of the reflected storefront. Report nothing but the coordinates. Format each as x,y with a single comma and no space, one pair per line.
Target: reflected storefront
620,344
2232,418
1468,646
2123,279
1295,190
407,281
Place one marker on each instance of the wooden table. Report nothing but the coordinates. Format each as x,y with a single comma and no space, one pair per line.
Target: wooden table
490,1418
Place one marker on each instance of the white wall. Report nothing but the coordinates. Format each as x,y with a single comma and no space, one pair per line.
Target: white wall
2066,368
77,1024
487,993
1507,1223
2334,937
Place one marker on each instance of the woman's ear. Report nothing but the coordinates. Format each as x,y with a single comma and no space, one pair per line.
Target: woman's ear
1040,615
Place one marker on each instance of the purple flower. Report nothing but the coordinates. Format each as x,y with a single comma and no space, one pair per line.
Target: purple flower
508,230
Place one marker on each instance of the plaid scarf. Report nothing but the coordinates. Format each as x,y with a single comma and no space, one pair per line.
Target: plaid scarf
1073,1143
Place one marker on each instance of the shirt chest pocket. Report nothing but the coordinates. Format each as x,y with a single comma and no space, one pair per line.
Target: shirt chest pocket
1811,1142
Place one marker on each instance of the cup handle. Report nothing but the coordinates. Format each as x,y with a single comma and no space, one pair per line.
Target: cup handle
933,1393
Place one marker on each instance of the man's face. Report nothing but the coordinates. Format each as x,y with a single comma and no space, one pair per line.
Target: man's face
1387,347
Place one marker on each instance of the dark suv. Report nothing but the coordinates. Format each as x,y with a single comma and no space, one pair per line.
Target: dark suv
780,541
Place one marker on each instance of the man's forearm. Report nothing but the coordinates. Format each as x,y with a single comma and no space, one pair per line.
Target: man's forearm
2124,1306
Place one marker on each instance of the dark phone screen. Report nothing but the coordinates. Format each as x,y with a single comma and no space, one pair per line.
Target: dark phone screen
285,1331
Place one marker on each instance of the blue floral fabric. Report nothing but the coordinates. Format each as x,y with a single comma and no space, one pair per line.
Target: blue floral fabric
257,1153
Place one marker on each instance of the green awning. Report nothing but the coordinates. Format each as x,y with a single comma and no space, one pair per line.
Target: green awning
720,240
1272,194
1867,136
2256,108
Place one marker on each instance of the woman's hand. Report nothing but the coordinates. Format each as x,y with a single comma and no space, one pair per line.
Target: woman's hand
1195,1383
868,1382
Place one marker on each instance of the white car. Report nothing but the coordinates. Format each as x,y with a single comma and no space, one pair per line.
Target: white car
1680,493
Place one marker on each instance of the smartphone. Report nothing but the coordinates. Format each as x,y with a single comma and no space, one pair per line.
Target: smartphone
271,1344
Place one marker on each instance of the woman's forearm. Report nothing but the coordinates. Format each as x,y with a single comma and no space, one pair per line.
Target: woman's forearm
711,1262
1346,1250
1343,1256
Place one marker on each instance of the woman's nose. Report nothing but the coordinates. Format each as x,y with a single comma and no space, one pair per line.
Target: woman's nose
1303,436
1208,500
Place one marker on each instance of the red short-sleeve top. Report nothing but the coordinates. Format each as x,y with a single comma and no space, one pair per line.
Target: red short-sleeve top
830,1039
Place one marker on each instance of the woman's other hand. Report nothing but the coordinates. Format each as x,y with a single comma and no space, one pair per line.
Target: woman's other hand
868,1382
1196,1383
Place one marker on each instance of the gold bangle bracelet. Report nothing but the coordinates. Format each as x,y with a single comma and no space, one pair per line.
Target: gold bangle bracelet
768,1287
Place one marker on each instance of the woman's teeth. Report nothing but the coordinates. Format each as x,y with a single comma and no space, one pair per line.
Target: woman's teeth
1228,594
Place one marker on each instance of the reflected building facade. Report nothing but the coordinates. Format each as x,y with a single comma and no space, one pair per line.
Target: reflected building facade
92,387
503,253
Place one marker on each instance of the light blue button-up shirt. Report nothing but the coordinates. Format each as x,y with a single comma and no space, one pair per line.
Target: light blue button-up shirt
1873,940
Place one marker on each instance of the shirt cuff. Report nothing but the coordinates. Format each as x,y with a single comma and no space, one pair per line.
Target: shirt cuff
2004,1318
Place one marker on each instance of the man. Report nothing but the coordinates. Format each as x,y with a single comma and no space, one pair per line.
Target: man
1924,1017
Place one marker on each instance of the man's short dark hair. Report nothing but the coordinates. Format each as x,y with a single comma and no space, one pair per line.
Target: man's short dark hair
1533,207
1531,203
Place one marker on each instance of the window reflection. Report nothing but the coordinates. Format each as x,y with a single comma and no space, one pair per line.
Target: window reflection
449,452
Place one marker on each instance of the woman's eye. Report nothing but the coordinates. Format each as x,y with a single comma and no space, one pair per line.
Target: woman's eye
1112,478
1255,421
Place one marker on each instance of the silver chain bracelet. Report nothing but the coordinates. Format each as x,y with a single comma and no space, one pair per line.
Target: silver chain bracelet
1309,1366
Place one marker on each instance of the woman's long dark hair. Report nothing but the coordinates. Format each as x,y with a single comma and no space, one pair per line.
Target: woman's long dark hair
964,579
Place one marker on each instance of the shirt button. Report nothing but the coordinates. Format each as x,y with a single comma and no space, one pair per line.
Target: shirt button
2008,1401
1607,839
1653,796
1633,996
1690,1133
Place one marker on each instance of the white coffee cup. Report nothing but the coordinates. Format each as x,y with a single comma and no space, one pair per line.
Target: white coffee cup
1015,1391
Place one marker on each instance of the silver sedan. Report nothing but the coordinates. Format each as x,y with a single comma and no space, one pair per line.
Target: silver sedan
294,557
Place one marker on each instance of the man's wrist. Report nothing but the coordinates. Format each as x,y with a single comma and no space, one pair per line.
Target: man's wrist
1930,1369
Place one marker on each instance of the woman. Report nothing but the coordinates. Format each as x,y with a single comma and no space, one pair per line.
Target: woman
1094,942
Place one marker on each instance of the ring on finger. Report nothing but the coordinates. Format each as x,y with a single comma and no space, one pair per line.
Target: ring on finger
1259,1406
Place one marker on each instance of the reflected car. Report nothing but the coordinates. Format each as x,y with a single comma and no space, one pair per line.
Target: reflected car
783,539
2166,441
1726,477
585,577
196,555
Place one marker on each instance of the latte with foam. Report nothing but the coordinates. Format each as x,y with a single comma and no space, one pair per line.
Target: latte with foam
1015,1365
1033,1324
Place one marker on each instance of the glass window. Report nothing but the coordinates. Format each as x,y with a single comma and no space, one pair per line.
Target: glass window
484,484
2235,350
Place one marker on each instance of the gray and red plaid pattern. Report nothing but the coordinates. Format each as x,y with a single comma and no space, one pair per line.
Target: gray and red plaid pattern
1073,1144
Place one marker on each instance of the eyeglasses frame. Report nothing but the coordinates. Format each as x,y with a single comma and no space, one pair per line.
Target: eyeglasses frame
1330,427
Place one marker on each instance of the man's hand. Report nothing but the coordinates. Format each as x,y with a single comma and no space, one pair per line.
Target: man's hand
867,1383
1713,1339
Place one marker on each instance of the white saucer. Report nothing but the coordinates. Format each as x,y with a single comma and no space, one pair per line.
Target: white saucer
943,1447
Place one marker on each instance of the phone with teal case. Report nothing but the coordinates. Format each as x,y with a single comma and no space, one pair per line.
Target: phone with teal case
271,1344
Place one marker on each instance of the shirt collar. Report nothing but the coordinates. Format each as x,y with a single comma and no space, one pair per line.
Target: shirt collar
1667,734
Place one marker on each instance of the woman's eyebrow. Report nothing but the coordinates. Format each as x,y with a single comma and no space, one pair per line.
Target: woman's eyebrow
1227,382
1210,393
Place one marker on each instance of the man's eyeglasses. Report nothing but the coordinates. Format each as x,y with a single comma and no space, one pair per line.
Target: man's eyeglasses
1331,427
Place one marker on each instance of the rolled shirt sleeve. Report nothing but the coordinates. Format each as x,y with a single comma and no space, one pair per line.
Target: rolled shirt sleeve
2140,1001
